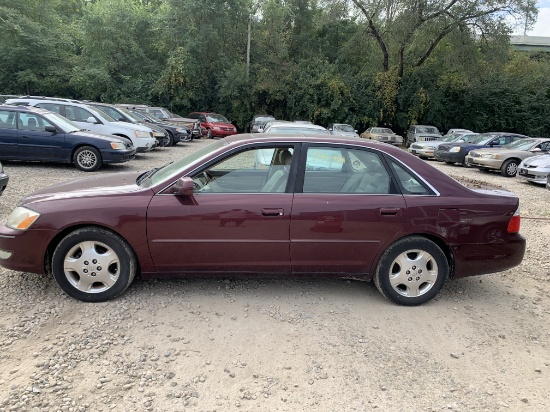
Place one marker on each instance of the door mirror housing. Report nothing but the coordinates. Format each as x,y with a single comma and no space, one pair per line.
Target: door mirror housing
91,119
183,187
50,129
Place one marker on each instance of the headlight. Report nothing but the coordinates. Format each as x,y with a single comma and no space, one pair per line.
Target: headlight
118,145
216,128
22,218
158,134
181,130
378,137
455,149
490,156
141,134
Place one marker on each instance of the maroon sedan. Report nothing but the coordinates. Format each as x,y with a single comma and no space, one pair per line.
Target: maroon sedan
269,205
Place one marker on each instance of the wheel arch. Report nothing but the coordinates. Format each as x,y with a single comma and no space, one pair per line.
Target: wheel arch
58,237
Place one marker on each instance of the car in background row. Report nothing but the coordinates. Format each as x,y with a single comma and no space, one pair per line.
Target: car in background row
456,152
300,128
216,124
120,114
382,134
421,133
166,116
4,179
426,150
342,129
378,214
89,118
258,123
535,169
32,134
507,158
176,132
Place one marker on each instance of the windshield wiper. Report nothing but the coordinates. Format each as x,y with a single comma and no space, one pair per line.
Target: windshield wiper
146,175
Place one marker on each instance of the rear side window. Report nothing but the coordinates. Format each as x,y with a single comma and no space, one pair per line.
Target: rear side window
408,183
52,107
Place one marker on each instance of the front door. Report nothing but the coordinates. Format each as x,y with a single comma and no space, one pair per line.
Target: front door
35,143
237,220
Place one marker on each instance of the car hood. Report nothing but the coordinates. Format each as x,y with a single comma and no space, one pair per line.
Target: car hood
132,126
106,137
118,183
539,160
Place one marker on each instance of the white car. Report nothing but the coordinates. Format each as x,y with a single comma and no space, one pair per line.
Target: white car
535,169
294,128
93,120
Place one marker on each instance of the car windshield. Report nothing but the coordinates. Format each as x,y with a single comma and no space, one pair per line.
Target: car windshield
479,139
344,128
521,144
216,118
426,129
169,171
62,122
451,137
382,130
294,130
160,113
131,114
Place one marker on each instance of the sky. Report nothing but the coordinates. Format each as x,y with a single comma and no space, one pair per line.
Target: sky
542,26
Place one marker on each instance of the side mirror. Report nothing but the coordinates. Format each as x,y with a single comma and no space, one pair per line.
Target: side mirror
50,129
356,131
330,129
183,187
537,149
91,119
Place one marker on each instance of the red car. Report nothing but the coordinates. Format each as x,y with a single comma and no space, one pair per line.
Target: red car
216,125
320,205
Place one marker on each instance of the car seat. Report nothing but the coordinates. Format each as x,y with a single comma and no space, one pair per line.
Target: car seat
277,181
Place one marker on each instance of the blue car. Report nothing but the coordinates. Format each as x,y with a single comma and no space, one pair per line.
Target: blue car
456,152
33,134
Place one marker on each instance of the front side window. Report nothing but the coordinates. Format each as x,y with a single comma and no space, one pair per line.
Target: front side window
76,114
258,170
343,170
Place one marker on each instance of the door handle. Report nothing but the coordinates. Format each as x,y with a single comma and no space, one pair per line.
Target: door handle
273,212
389,211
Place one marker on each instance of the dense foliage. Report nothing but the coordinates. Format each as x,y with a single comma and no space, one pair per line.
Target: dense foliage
364,62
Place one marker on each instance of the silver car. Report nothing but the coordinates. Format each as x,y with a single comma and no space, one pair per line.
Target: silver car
426,150
535,169
421,133
342,129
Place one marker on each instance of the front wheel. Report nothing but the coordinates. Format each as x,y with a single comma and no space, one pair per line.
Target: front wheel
411,271
92,264
509,168
209,134
87,158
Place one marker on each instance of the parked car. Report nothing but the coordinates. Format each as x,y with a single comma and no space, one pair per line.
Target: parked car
459,131
216,124
382,134
294,128
4,179
426,150
166,116
456,152
507,158
535,169
258,123
383,215
176,132
342,129
88,118
33,134
121,114
421,133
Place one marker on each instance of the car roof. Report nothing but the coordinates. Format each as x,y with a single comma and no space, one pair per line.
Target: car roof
20,108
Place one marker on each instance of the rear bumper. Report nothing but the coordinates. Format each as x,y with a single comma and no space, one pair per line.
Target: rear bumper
480,259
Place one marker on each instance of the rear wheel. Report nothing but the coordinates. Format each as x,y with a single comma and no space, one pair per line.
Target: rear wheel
87,158
509,168
92,264
411,271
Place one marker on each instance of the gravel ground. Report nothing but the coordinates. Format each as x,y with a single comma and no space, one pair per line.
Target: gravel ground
277,345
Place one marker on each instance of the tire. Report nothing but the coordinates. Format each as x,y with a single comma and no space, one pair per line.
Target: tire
209,135
76,273
87,158
483,169
449,163
509,168
412,271
170,139
464,164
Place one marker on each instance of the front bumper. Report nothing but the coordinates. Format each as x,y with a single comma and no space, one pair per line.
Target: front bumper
24,251
223,133
484,162
538,175
117,156
145,145
452,157
422,151
4,179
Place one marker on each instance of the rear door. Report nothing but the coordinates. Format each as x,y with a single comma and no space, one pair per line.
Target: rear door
345,208
8,135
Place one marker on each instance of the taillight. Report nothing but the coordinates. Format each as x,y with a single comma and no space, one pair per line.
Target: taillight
514,223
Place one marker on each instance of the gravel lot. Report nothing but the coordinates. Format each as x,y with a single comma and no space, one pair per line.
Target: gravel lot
277,345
